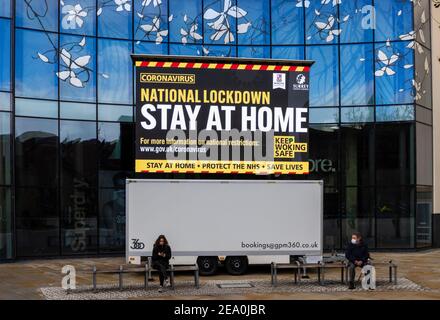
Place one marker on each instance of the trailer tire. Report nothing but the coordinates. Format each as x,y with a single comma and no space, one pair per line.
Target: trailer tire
208,266
236,265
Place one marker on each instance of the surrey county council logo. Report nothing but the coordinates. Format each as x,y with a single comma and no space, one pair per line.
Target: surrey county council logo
301,83
279,81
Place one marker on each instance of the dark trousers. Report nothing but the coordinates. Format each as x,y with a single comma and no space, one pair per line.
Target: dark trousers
162,268
352,271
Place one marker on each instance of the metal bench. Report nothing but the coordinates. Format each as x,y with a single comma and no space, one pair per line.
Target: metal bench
392,270
173,269
297,267
144,270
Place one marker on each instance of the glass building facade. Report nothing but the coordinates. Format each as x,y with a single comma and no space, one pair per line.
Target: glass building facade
67,110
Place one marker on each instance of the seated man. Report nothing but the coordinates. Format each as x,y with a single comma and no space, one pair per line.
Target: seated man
357,255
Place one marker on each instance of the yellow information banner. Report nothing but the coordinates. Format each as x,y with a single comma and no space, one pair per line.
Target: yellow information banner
234,167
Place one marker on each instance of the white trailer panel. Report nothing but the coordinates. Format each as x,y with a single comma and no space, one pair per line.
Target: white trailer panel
225,218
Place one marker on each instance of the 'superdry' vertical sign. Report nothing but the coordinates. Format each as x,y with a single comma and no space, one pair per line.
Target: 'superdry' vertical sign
221,115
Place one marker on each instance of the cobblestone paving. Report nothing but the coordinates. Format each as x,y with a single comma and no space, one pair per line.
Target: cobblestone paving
211,288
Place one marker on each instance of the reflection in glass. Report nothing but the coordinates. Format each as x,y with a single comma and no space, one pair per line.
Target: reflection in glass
112,220
5,54
6,244
395,217
36,108
116,153
395,154
324,115
37,222
36,152
78,153
323,153
424,217
78,178
358,214
395,113
5,148
109,112
357,143
79,111
357,114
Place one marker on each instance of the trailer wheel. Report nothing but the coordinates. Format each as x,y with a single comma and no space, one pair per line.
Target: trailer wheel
236,265
207,265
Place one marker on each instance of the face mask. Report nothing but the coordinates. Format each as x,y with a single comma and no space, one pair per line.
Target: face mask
353,241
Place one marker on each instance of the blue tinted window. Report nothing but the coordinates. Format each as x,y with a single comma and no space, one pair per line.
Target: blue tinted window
288,52
5,8
5,101
36,64
394,71
187,50
78,16
186,23
220,51
115,113
115,20
151,20
80,111
253,21
115,71
324,115
142,47
395,113
37,14
77,68
357,80
220,19
355,23
324,86
322,22
5,54
394,18
287,22
254,52
357,114
36,108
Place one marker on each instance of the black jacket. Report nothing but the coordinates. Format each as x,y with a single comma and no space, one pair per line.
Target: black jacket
157,258
357,252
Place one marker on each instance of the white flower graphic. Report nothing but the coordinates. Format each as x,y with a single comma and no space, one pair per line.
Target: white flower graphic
155,3
328,28
74,16
387,64
155,28
190,34
71,67
221,25
123,5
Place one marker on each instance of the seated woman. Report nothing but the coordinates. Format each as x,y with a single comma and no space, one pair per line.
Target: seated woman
161,259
